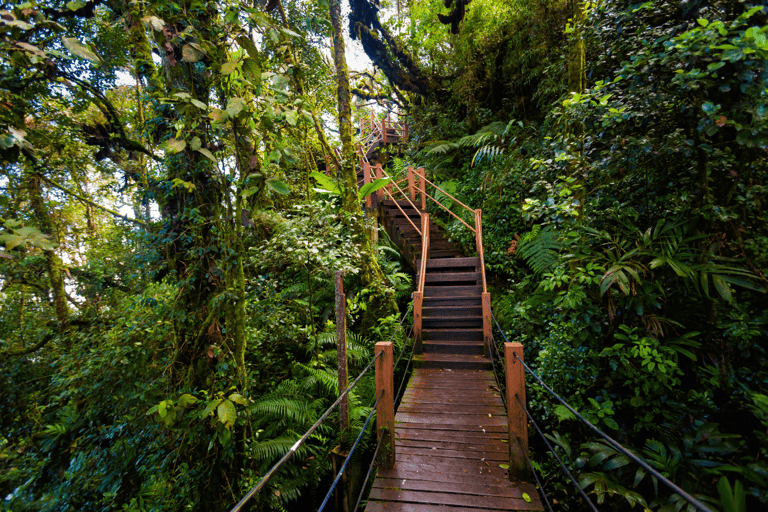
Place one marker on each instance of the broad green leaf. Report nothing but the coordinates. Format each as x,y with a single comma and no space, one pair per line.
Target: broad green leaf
703,22
191,54
227,413
278,186
217,115
235,106
186,400
195,143
212,405
504,466
11,241
370,188
80,50
199,104
156,23
75,5
238,399
162,409
744,283
722,287
527,498
325,182
291,117
247,45
175,146
205,152
252,71
229,67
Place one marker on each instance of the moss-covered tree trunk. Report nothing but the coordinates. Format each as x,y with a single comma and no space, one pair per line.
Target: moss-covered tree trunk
577,82
54,265
381,298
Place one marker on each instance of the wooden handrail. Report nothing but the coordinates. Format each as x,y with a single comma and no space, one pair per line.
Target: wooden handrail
406,216
404,195
424,251
449,195
449,211
479,244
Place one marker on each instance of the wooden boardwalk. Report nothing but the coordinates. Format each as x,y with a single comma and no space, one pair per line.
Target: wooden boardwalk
451,443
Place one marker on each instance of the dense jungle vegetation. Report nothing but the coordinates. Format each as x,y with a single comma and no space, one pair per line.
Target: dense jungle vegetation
167,327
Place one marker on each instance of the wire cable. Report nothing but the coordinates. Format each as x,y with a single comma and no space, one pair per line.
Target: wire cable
351,451
402,381
562,465
261,483
368,474
687,497
496,375
535,476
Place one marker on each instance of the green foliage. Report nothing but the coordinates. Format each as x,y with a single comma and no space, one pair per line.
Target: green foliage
540,248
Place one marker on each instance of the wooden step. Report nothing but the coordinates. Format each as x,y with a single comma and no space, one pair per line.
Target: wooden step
441,303
446,322
453,347
464,334
464,309
452,277
456,291
452,361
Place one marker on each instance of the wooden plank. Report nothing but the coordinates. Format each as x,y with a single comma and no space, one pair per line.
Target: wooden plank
457,409
503,488
444,498
492,445
453,466
435,451
468,420
385,506
425,437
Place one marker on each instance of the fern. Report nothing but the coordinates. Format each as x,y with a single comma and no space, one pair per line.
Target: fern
540,248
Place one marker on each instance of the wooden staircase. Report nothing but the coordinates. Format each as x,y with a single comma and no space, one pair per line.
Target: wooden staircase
452,309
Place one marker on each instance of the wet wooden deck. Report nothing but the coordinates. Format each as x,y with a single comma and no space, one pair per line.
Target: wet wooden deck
451,443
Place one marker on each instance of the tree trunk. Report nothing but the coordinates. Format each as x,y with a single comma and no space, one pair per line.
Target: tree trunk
53,262
381,300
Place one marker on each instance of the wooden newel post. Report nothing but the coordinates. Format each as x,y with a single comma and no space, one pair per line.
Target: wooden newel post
384,131
516,417
366,180
380,175
487,325
418,300
385,411
411,184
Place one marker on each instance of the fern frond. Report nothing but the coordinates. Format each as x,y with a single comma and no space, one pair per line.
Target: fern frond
325,378
282,408
442,147
275,448
540,248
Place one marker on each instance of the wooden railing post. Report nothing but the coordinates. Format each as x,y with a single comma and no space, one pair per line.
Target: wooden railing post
380,175
422,188
516,417
384,131
385,411
418,301
366,180
487,325
411,187
405,132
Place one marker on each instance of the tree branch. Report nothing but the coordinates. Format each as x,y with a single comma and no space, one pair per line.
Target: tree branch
92,203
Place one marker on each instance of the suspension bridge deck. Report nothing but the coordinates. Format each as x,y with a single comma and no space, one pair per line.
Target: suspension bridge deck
451,448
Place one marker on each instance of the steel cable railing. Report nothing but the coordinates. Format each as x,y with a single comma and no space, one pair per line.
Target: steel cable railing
612,442
539,485
261,483
351,451
559,460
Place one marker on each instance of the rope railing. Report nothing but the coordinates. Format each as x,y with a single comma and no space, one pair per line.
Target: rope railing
261,483
351,451
612,442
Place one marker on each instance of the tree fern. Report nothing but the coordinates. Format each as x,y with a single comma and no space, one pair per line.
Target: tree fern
540,248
